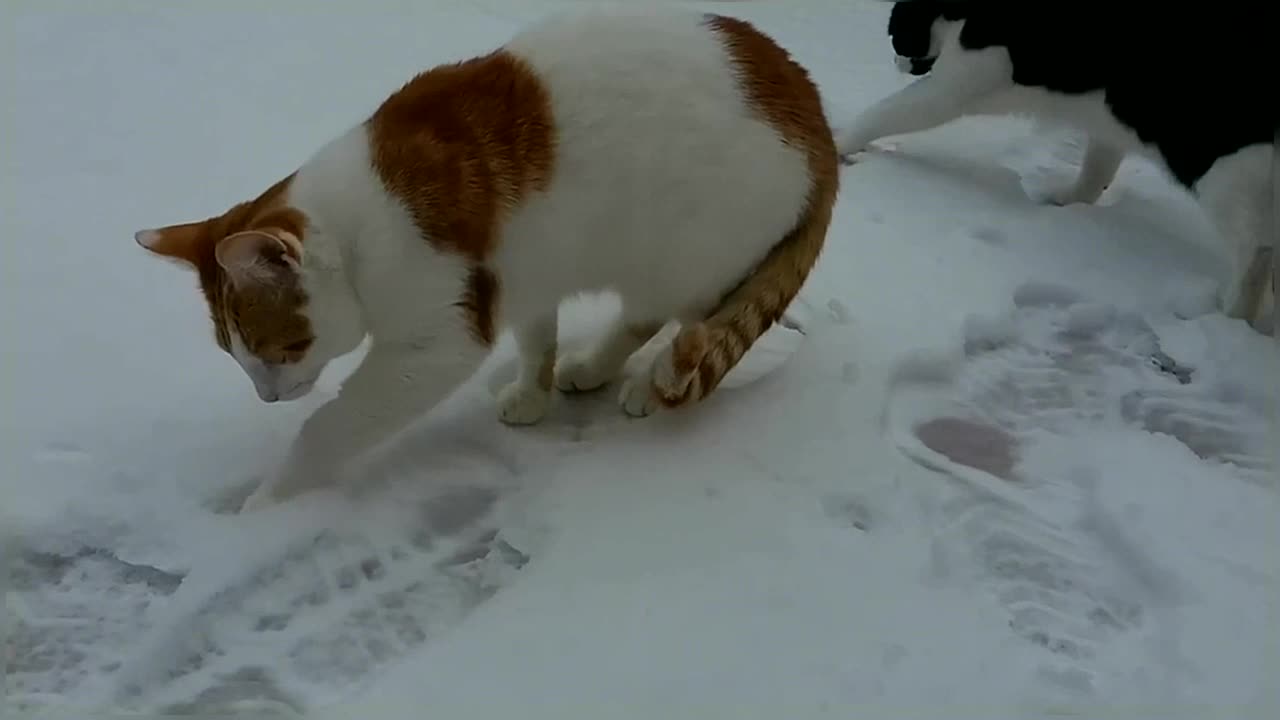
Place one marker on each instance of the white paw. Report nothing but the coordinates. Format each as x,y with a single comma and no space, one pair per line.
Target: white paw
853,154
521,404
1064,195
579,373
636,397
852,158
849,144
1063,198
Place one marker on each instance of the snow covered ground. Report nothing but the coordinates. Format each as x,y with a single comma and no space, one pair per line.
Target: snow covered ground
1017,467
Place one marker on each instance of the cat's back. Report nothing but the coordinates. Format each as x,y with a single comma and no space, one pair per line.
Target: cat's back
594,141
582,46
639,66
681,135
1190,80
663,105
1067,45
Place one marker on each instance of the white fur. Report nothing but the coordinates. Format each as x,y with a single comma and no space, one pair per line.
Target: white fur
968,82
667,190
147,238
273,382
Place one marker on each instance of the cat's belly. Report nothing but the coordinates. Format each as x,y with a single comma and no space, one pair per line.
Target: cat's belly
1086,113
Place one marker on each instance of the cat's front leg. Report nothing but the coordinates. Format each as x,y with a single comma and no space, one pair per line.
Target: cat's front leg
946,94
1098,170
394,384
881,120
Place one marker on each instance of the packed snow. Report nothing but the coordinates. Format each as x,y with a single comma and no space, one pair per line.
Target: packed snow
1016,465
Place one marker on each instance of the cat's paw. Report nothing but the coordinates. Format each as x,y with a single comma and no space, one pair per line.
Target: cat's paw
580,372
1064,195
637,398
853,154
523,404
851,149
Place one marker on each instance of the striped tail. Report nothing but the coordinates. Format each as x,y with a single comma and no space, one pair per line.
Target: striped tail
704,352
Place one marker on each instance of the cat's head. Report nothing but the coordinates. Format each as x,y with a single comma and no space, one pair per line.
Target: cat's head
277,313
912,25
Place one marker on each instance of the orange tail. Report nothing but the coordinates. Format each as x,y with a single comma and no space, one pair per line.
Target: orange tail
703,353
781,93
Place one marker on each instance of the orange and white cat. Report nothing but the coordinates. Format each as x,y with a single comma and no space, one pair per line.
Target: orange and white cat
681,160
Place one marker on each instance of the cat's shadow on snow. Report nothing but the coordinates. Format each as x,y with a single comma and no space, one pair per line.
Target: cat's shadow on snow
1146,224
574,417
463,442
958,169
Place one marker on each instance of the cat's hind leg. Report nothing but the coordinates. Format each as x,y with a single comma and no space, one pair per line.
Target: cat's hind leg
525,400
957,85
637,396
597,365
1098,170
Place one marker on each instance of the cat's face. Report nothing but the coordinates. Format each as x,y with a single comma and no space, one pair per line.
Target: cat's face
912,26
281,320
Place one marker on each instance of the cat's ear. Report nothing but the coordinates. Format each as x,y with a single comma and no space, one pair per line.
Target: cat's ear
255,257
179,243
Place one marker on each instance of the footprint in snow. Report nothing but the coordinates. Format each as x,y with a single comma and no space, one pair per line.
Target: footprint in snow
63,453
1055,366
73,612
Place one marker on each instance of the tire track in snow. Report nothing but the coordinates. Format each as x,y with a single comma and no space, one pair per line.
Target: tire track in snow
266,620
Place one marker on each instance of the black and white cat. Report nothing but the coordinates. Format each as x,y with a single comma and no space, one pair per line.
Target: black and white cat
1194,87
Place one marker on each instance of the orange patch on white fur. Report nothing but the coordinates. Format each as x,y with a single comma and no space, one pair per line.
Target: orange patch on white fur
245,260
461,145
781,91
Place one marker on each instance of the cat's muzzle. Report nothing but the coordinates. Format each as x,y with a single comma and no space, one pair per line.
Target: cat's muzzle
914,65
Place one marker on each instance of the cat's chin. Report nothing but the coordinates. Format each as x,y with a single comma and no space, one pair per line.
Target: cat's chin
297,392
914,66
294,392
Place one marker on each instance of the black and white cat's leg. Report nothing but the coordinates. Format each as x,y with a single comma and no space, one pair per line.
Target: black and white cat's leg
958,85
525,400
1236,194
601,362
1098,169
396,382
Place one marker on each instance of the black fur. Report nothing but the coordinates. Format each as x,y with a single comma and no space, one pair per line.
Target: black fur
1195,80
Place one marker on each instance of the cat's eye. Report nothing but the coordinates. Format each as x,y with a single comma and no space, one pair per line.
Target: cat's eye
297,347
